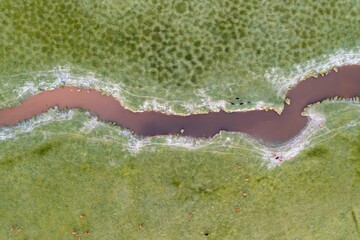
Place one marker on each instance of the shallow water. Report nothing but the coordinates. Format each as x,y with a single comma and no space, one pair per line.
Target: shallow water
268,126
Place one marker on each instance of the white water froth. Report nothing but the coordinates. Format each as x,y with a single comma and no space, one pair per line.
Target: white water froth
282,80
91,124
29,125
275,156
315,132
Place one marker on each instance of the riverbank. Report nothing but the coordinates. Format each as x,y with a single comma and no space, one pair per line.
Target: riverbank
213,98
265,125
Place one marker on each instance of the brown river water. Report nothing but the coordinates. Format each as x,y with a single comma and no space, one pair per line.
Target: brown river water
267,126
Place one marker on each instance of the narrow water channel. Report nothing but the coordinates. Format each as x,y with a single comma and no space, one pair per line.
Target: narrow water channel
265,125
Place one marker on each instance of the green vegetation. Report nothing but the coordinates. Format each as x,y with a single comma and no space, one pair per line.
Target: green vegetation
59,172
65,179
171,49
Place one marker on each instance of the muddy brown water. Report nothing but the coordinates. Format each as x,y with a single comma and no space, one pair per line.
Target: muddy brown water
268,126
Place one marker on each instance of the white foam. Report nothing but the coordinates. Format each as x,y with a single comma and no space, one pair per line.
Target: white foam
29,125
282,80
274,156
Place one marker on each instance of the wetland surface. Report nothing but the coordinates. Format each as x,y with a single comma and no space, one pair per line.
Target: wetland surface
268,126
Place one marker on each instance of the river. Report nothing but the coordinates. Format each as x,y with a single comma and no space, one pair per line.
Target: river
267,126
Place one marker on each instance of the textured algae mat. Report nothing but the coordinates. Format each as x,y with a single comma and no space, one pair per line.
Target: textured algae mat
171,49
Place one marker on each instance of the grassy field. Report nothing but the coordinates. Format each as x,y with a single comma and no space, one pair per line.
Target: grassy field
63,179
173,50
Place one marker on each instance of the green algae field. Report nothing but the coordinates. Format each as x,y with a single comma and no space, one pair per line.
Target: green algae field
169,49
67,175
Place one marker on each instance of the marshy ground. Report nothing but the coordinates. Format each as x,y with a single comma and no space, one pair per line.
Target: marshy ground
72,177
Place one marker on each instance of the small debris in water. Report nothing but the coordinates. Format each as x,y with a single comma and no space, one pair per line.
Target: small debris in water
182,131
287,100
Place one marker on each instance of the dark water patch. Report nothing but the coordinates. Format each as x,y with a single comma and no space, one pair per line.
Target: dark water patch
268,126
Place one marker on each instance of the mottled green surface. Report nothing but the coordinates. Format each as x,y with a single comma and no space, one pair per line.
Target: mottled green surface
171,48
58,172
